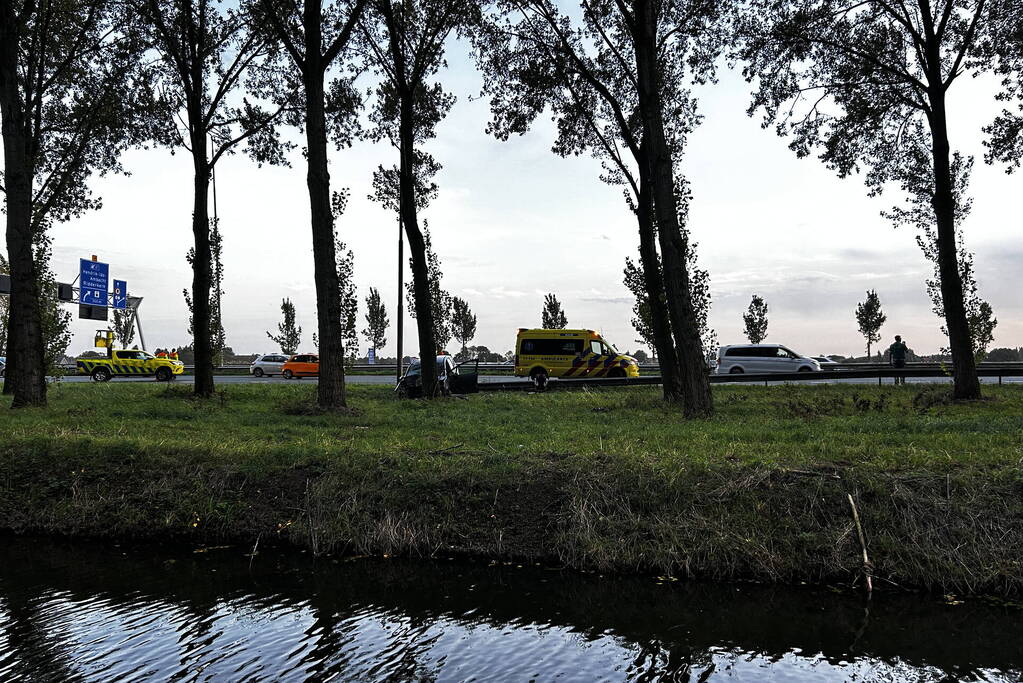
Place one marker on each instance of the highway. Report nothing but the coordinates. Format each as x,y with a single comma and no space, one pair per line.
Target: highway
824,378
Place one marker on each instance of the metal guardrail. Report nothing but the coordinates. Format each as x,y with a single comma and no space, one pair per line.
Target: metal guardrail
747,378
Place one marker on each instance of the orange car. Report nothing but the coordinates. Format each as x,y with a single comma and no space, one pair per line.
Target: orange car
301,365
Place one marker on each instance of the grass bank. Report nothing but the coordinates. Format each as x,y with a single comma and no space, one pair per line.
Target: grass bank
608,480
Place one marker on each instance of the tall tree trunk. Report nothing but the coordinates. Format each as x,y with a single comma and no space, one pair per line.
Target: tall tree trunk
202,268
25,375
671,383
330,392
417,248
967,385
688,347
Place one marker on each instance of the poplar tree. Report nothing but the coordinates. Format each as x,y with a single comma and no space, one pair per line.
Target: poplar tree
71,92
206,53
311,39
463,323
617,81
866,82
377,323
870,318
124,327
552,317
289,335
403,42
437,301
755,320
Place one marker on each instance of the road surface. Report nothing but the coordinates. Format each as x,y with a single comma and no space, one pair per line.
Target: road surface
484,379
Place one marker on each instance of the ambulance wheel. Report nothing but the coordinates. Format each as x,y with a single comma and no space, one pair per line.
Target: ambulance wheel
616,372
164,375
287,374
539,377
101,375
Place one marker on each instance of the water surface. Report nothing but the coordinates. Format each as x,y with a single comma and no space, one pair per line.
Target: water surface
93,612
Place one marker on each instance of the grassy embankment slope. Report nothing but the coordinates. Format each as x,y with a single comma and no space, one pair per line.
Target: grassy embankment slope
607,480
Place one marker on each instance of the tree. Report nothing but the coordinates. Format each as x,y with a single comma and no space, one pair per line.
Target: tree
755,320
699,280
463,323
69,100
616,86
289,335
870,318
205,53
980,318
1003,48
124,327
313,37
642,320
552,317
377,323
349,301
438,301
215,321
5,308
1004,355
867,83
404,44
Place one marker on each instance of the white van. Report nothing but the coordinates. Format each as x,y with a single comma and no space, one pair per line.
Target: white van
759,358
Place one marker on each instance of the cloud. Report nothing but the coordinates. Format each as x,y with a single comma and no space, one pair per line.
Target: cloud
608,299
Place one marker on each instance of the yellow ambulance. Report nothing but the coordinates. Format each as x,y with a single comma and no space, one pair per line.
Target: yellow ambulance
540,354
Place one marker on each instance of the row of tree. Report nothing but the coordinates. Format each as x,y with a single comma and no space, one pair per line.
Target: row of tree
864,82
870,317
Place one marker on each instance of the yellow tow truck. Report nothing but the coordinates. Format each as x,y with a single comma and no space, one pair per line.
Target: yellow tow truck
127,363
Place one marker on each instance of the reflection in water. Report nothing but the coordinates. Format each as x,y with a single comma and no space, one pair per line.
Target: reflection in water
80,612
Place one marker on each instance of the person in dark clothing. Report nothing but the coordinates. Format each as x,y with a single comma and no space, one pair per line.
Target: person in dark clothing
897,354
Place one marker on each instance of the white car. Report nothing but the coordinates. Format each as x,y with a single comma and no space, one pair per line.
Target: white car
267,364
762,358
825,362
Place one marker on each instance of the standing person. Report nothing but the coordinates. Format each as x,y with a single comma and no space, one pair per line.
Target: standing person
174,354
897,356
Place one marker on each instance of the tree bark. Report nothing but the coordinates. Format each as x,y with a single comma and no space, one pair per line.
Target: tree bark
417,246
671,383
330,392
25,374
202,269
697,400
966,383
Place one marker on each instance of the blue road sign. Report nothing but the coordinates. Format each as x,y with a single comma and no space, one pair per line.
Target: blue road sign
92,283
120,294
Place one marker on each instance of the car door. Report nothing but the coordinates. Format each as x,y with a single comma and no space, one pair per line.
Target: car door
755,359
464,378
128,363
312,365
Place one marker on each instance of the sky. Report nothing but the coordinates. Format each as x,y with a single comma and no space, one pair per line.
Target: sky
514,222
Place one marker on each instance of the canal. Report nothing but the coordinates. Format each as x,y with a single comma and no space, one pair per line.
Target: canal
98,612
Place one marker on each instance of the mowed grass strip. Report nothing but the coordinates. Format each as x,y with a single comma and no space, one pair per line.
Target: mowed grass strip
610,479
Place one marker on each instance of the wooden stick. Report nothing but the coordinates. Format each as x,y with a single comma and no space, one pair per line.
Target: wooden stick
867,567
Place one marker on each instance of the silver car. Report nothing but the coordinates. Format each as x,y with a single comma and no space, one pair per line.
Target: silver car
3,365
760,358
267,364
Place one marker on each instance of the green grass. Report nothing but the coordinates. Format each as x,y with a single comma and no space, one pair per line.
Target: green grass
609,479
